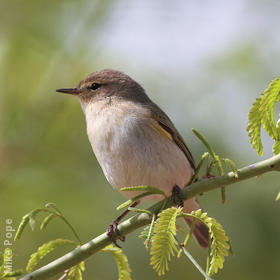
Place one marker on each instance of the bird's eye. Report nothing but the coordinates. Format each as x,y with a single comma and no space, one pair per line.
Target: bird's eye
94,86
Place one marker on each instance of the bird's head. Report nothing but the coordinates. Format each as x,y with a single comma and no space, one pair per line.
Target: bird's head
107,83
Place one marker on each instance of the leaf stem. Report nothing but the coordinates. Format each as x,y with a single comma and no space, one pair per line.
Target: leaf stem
195,263
187,239
195,175
216,159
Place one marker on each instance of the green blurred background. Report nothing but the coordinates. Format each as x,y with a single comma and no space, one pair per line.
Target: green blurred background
203,63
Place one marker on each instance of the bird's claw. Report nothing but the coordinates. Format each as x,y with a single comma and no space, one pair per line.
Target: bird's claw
177,196
113,233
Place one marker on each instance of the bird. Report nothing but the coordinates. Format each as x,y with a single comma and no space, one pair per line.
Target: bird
134,141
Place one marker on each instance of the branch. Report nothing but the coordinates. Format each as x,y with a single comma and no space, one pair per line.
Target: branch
76,256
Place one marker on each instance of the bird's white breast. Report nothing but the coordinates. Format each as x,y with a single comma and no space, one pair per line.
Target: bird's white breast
131,151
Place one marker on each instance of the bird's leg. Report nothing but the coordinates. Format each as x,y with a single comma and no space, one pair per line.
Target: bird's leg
113,232
208,174
177,196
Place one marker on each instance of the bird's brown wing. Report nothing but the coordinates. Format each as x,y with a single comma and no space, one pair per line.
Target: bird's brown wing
166,124
167,128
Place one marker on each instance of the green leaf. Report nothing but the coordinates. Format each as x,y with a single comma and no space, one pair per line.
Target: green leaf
121,260
216,159
130,201
206,144
144,188
232,166
140,211
1,259
75,272
82,266
151,232
262,113
278,196
7,277
271,96
44,250
21,227
276,148
53,206
15,273
148,232
47,220
219,244
32,221
29,217
32,217
49,208
219,247
145,232
254,126
198,168
1,264
164,244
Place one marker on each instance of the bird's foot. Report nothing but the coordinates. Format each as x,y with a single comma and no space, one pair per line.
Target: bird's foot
177,196
113,233
208,174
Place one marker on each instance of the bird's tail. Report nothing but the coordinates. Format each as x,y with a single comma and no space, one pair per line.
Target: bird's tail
200,231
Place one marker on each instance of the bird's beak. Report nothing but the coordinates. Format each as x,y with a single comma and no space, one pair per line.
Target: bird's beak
74,90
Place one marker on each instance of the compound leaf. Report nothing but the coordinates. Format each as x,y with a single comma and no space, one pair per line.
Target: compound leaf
121,260
164,244
44,250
